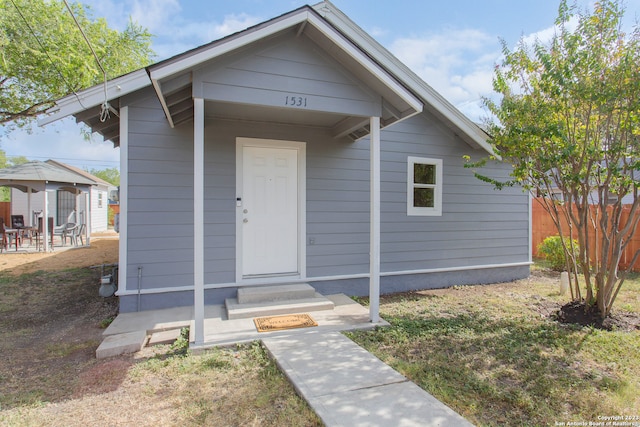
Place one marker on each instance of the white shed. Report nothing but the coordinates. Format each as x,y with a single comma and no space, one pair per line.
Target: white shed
62,204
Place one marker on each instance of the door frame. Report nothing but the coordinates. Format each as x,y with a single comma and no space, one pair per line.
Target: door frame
301,147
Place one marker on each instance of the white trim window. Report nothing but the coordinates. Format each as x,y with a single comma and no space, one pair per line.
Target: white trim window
424,186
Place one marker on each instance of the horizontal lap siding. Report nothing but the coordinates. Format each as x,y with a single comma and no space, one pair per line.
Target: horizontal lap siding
287,67
219,204
337,208
160,205
479,225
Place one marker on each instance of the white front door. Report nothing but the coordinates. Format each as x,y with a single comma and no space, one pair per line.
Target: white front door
269,211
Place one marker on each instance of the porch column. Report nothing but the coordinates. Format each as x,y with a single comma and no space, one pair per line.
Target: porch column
198,219
45,220
29,214
123,199
87,228
374,234
76,209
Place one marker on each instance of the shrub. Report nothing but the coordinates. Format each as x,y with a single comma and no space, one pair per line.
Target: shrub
552,250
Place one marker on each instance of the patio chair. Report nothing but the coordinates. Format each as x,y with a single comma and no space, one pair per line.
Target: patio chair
17,222
7,235
63,231
76,233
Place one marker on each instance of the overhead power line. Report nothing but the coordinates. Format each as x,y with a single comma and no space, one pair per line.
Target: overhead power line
104,112
63,158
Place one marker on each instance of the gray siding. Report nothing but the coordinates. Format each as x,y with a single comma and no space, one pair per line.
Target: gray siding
271,74
337,208
478,226
160,211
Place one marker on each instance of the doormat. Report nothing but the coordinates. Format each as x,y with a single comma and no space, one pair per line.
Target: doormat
288,321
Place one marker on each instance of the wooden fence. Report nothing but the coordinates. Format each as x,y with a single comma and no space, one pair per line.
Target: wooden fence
5,212
543,227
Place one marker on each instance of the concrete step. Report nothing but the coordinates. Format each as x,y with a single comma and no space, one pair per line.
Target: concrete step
115,345
164,337
258,294
236,310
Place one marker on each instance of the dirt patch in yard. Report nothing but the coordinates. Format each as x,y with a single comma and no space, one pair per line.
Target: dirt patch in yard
103,249
50,323
578,313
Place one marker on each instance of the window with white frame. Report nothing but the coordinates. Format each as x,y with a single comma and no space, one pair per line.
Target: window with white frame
424,186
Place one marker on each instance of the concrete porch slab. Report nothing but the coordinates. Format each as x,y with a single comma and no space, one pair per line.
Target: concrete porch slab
219,331
151,321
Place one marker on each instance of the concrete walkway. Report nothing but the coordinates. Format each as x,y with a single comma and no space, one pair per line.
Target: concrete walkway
343,383
348,386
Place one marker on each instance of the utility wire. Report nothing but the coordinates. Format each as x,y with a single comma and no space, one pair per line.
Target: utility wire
44,50
104,113
9,156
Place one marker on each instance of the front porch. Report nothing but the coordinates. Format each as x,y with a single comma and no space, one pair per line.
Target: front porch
146,327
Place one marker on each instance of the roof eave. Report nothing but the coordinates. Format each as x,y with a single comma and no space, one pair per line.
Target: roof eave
470,132
95,95
304,15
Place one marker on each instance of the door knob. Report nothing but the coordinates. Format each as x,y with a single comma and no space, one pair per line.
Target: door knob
245,220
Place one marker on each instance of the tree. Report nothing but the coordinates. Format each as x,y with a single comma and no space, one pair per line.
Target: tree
111,175
5,162
569,121
44,57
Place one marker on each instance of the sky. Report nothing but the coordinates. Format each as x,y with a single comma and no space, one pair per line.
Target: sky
453,45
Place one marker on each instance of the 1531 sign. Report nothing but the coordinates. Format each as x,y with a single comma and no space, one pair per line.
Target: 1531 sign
295,101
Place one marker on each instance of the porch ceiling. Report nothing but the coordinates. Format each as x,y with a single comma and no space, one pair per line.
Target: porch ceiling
339,124
227,110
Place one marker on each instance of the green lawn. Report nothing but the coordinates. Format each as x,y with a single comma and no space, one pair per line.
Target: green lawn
493,354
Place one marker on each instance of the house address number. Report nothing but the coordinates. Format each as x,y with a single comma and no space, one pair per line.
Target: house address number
295,101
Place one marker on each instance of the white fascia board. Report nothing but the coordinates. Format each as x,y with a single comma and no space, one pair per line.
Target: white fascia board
88,98
366,62
404,73
163,102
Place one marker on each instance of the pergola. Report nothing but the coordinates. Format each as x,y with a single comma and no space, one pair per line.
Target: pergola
37,176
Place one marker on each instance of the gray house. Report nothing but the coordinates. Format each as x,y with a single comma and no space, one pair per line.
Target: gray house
298,150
